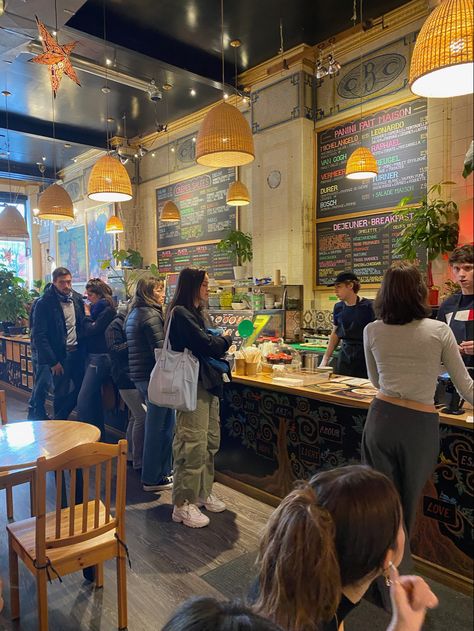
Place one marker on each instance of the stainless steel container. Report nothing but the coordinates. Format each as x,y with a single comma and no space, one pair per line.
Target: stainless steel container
310,360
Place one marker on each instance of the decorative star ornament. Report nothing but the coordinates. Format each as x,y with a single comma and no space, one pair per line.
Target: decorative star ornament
55,56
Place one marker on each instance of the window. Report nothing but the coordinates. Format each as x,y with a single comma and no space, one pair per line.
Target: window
16,255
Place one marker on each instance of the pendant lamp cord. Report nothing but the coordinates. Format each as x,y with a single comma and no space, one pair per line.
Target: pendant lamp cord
6,94
222,46
107,133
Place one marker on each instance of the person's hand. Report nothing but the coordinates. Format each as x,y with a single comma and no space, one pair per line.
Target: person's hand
411,596
57,369
324,362
467,348
87,309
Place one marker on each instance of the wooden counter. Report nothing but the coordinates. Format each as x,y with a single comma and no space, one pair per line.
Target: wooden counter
274,434
16,366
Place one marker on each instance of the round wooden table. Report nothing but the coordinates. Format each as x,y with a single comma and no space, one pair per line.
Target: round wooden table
23,442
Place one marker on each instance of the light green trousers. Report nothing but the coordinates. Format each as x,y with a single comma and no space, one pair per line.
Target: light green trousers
195,444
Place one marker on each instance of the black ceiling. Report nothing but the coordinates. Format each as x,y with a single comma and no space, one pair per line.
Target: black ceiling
168,41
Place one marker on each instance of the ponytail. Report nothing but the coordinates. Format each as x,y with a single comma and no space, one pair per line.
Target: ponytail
299,576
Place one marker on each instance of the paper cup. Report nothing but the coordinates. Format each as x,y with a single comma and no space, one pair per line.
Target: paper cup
240,366
251,369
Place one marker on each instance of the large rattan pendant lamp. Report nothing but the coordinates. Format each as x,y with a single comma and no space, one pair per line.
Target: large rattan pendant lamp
361,164
224,138
109,180
12,224
442,64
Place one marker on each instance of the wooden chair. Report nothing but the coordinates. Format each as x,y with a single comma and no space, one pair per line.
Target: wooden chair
82,535
9,479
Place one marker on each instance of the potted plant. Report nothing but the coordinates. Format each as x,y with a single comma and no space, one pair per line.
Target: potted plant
128,260
14,298
432,224
238,245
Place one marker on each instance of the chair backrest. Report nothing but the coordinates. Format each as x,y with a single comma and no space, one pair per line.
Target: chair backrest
3,407
98,470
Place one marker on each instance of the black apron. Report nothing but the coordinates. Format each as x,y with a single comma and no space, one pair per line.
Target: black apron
460,328
351,360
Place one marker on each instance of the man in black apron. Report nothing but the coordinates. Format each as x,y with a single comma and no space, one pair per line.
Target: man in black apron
351,315
458,310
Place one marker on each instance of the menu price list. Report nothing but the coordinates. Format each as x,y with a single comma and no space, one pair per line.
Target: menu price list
397,138
363,245
205,256
201,200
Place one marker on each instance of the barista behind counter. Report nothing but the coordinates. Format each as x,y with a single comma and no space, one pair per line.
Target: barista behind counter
351,315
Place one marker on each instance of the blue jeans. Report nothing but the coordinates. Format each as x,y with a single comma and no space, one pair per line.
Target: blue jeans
159,431
89,401
67,386
42,385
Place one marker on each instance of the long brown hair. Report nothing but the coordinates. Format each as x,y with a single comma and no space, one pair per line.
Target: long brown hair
187,291
101,289
402,296
144,292
326,534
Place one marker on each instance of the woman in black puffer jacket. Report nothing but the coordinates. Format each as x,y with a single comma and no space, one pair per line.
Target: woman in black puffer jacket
99,314
144,332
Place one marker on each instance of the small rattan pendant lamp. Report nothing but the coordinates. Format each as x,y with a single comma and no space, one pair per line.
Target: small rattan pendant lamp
114,224
361,164
170,212
442,63
109,180
237,194
224,138
12,224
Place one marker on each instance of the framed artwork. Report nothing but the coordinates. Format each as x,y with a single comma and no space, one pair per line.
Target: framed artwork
72,252
74,188
99,243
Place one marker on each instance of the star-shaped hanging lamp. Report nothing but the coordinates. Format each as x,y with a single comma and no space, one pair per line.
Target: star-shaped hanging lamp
55,56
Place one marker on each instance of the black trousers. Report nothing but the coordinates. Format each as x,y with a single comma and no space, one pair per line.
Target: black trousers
67,386
403,444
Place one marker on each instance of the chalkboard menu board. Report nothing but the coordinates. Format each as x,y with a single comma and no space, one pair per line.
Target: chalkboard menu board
205,256
201,200
362,244
397,138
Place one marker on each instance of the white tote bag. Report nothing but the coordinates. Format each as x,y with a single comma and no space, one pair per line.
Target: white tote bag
174,378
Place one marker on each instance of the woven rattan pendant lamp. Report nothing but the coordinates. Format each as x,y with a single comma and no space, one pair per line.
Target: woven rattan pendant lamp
114,225
442,64
361,164
55,204
109,180
12,224
237,194
224,138
170,212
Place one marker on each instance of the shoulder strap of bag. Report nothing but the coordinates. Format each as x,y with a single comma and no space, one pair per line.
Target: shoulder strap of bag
166,343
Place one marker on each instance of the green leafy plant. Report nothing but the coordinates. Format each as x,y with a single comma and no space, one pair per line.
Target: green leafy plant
432,224
14,297
128,260
238,245
38,288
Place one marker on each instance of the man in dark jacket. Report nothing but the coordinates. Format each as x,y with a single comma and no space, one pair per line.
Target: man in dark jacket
42,375
57,322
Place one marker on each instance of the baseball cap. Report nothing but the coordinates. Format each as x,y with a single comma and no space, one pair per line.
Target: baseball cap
344,277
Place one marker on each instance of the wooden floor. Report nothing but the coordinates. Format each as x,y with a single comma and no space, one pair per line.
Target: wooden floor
169,564
168,560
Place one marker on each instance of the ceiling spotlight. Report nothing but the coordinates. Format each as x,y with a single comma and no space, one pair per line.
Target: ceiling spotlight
110,119
153,154
172,149
161,128
192,92
43,158
67,145
35,211
167,87
105,89
226,96
108,62
235,43
153,93
194,138
142,151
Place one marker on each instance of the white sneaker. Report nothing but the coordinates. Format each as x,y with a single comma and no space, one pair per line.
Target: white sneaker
189,515
212,503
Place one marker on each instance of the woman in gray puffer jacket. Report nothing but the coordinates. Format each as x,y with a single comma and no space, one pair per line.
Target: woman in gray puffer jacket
144,332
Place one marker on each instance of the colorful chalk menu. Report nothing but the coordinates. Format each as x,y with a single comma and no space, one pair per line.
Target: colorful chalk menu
205,256
362,244
201,200
397,138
